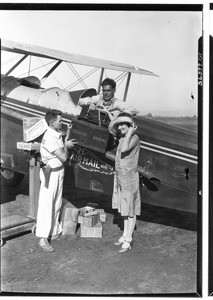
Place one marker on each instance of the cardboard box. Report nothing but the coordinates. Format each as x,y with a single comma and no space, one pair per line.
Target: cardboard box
69,217
69,228
102,214
94,232
89,221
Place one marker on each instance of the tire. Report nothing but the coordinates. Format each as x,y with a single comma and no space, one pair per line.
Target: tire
11,178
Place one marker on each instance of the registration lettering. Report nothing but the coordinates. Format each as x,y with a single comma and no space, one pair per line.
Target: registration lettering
99,139
79,132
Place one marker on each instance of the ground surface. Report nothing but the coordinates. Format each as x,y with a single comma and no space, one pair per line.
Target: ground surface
163,259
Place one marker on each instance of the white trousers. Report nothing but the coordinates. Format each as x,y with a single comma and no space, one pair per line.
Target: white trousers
49,205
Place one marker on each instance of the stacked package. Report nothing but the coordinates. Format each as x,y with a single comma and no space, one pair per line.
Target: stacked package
91,221
69,218
89,218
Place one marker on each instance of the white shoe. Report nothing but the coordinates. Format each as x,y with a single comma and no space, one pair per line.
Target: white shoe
120,241
127,245
45,245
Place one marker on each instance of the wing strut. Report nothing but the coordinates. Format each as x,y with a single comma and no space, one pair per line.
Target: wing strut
100,80
127,85
18,63
52,69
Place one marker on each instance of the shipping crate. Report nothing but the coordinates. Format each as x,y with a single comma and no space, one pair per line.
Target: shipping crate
89,221
69,217
102,214
93,232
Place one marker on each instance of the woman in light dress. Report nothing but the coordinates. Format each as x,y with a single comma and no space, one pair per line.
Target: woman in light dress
126,194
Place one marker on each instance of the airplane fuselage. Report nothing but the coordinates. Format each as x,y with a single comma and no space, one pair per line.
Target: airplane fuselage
168,154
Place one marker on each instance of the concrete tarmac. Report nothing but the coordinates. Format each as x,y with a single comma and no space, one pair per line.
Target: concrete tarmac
162,261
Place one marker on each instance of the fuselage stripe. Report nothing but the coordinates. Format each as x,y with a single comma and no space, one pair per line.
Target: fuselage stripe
32,111
27,110
169,154
168,149
151,147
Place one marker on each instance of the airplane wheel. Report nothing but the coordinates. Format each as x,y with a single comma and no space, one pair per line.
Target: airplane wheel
10,177
33,230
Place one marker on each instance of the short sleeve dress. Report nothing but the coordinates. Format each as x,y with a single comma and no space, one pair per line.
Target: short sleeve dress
126,193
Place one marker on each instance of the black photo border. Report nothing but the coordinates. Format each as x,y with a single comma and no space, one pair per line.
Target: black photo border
146,7
210,278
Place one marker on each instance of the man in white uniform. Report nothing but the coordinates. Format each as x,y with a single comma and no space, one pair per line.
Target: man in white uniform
54,152
108,101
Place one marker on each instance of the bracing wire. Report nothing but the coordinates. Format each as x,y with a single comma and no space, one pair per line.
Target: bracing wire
45,65
37,68
77,75
82,78
121,78
10,60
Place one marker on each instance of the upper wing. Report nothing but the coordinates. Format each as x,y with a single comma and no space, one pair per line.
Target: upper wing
26,49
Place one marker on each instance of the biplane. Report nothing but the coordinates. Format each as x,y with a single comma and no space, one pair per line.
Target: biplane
168,163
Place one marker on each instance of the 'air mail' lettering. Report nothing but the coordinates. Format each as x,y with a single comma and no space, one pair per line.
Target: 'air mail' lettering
88,161
85,160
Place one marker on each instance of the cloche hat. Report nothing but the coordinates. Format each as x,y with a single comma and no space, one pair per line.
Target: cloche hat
121,118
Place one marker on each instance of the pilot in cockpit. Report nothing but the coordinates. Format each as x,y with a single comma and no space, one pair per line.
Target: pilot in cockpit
108,101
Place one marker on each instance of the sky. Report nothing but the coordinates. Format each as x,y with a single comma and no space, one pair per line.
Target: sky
164,42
